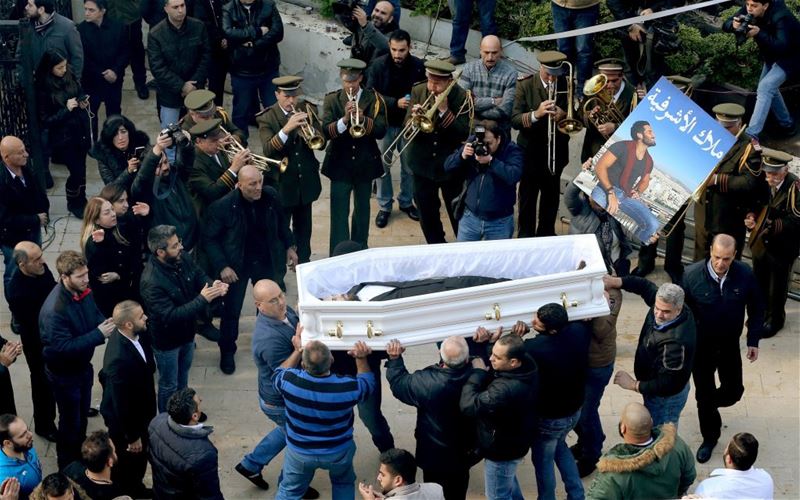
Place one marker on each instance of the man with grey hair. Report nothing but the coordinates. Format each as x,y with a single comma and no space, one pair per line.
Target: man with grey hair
665,354
445,436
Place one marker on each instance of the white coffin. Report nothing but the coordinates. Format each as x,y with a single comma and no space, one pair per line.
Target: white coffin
542,270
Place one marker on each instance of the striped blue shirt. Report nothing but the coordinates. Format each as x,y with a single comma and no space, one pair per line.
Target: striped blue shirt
319,410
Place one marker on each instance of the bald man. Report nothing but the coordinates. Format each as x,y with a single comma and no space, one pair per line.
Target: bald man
247,238
651,463
23,202
719,290
370,33
493,82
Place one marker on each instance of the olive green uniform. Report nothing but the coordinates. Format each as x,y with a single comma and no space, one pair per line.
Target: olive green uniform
187,122
594,140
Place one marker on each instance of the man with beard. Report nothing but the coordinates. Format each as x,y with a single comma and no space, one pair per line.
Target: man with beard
94,472
369,34
18,458
623,174
51,31
393,75
71,326
397,478
129,398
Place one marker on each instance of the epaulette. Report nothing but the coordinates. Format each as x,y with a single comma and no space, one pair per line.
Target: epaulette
332,92
524,77
223,114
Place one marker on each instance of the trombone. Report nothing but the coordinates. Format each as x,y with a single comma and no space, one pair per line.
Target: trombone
231,147
357,128
421,120
307,131
599,96
568,125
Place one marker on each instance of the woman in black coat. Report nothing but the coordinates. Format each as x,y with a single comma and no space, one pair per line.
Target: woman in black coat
119,151
114,262
64,117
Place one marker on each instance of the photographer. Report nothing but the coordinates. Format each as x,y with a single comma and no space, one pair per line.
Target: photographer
161,185
776,31
371,34
492,165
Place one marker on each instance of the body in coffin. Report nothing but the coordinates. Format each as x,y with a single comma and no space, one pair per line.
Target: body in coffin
564,269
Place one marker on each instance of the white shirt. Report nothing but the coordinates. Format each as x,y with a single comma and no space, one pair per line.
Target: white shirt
14,176
714,276
283,137
731,483
340,125
619,92
138,346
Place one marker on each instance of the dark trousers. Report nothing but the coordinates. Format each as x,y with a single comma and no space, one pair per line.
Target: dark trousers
725,359
6,393
453,480
640,70
217,72
673,252
73,394
369,411
233,301
74,158
300,218
104,92
773,275
136,53
130,467
248,91
426,196
538,185
358,227
44,405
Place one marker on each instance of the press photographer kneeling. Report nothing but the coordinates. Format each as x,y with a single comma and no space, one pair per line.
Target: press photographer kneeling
777,32
491,165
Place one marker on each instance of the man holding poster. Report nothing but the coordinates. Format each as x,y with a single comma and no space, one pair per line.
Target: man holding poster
623,174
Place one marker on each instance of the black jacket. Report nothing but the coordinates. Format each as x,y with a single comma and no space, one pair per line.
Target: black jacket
113,163
720,314
177,56
443,432
129,396
562,359
664,358
69,331
184,461
394,82
62,127
176,208
19,207
113,256
226,227
251,52
504,405
25,296
172,300
104,47
778,38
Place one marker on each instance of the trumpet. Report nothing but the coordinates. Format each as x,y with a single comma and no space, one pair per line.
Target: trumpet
307,131
357,128
421,120
596,89
231,147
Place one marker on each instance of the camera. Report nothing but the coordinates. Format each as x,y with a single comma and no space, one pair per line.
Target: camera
174,132
478,145
343,11
744,26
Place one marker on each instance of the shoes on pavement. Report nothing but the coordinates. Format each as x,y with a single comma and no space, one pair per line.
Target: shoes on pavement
577,451
311,493
254,477
142,92
586,467
411,211
48,179
49,435
704,452
227,364
786,132
382,219
203,417
641,272
208,331
348,40
770,330
93,412
143,492
14,325
455,61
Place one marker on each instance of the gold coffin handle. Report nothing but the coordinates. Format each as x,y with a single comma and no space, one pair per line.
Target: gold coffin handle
373,332
494,313
338,331
567,304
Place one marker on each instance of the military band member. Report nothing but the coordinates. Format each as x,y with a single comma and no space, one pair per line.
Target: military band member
428,151
775,236
532,109
622,95
730,192
352,119
213,174
200,106
282,137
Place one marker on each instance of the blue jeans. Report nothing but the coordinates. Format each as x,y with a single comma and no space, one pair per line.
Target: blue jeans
550,447
473,228
73,395
167,116
589,428
461,20
385,188
299,469
500,479
271,444
578,49
247,91
173,371
665,409
646,223
768,97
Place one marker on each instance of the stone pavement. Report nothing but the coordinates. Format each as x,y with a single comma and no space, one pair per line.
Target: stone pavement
769,408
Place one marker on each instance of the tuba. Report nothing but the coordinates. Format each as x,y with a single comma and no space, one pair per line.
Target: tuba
232,147
598,96
313,138
357,128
